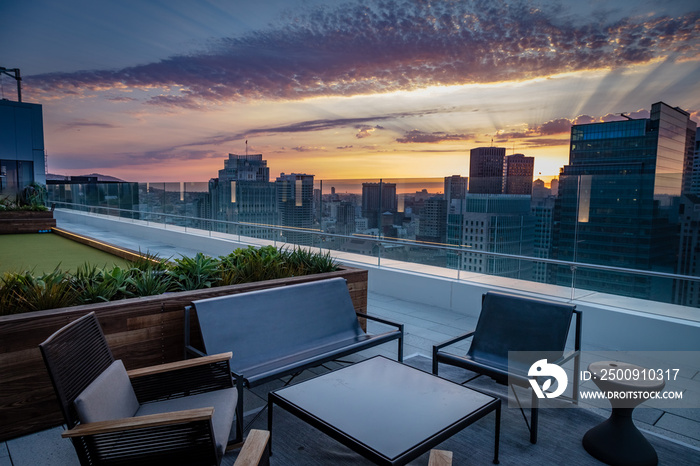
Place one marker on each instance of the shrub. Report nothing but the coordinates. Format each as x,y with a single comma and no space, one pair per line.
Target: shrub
148,282
47,291
25,291
252,265
194,273
305,262
92,286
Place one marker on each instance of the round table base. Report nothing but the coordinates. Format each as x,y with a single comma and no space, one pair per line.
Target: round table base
618,442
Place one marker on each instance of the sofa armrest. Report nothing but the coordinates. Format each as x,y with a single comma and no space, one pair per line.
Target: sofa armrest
379,319
141,422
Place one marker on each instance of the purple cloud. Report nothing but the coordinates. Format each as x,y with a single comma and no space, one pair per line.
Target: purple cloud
377,46
417,136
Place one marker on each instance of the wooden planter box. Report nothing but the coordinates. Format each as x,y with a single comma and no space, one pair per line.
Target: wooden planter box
26,221
140,331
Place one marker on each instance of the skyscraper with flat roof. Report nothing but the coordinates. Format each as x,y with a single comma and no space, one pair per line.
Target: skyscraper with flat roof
377,199
492,223
486,170
618,202
21,146
455,187
295,201
518,174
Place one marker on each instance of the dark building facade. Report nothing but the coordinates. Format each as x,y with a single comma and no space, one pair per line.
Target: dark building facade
433,221
377,199
295,201
21,146
243,193
618,202
486,170
518,174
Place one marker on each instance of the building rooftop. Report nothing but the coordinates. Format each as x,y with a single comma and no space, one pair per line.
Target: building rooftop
674,433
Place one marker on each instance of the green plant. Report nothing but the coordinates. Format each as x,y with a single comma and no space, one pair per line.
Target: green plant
117,278
193,273
33,195
251,265
7,204
148,261
91,285
9,293
148,282
305,262
22,292
48,291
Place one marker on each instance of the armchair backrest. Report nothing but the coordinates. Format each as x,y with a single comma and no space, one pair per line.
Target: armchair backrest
517,323
74,356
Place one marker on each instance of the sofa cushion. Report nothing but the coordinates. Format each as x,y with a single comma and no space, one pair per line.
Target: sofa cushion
110,396
224,404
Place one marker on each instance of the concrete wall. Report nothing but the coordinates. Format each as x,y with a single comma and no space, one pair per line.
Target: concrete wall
605,327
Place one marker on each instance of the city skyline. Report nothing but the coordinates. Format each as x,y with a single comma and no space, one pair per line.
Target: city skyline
159,92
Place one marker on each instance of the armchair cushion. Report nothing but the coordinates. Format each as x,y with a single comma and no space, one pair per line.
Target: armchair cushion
110,396
224,404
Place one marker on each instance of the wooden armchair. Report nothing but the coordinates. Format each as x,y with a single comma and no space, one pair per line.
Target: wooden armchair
178,413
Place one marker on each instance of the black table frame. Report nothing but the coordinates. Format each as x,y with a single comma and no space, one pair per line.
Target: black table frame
370,453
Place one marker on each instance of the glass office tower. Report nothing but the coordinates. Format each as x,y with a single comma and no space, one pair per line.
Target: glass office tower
618,202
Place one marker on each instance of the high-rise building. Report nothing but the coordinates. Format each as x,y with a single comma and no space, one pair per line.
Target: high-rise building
486,170
243,193
433,221
345,224
21,146
455,187
695,177
493,223
455,190
542,208
618,202
377,199
518,174
687,293
295,202
245,168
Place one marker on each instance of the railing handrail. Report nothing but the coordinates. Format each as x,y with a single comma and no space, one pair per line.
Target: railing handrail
422,244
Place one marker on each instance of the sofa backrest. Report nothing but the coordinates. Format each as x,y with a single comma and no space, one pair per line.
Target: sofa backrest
273,323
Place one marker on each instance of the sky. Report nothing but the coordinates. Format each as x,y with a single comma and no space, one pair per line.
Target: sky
164,90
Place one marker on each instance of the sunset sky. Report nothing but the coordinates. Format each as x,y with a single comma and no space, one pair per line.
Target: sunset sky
163,90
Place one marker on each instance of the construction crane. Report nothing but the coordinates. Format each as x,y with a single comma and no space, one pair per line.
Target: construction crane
14,73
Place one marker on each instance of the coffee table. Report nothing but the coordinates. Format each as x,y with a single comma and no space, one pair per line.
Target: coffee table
386,411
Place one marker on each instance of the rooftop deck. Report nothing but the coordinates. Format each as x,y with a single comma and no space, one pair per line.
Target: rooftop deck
677,430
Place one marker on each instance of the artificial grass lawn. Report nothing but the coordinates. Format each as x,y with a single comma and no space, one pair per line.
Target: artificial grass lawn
43,252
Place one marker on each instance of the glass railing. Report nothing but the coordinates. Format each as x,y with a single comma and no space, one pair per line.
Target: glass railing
605,234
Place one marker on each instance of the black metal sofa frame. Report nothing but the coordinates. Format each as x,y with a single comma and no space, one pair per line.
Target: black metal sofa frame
516,323
282,331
